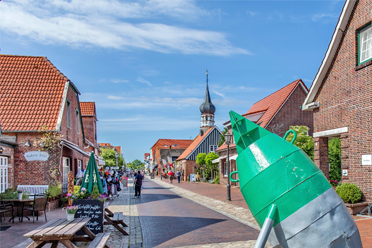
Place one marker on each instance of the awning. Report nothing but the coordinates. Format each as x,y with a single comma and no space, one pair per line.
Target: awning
217,160
74,147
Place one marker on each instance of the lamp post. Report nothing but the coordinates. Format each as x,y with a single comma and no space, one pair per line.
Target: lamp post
227,141
117,156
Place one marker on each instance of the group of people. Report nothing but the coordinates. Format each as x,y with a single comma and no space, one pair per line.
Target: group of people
171,175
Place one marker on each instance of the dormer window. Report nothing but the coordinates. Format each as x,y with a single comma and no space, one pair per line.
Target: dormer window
165,145
365,44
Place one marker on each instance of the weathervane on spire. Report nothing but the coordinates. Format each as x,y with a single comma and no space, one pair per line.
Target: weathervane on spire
207,75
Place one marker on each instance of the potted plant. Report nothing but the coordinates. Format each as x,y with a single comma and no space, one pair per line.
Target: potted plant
20,192
71,210
334,183
351,195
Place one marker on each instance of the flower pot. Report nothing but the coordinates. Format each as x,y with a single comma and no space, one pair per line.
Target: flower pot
70,217
356,207
20,196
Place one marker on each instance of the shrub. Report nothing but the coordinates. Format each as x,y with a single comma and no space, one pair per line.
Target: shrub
349,192
333,182
217,180
76,189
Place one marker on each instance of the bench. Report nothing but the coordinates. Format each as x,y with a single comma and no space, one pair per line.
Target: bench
100,240
117,219
33,189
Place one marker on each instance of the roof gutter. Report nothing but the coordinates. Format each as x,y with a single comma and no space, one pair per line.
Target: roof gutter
328,58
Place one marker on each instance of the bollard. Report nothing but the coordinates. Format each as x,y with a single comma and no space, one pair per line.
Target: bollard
274,171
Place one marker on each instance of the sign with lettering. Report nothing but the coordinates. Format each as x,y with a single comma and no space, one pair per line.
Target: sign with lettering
192,178
36,156
90,209
366,159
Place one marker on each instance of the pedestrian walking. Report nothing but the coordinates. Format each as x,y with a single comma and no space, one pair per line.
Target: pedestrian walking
178,174
137,184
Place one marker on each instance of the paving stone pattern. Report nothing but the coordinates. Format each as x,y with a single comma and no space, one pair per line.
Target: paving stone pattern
240,214
127,205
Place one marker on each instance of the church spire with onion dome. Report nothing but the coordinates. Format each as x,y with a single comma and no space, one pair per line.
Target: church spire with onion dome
207,110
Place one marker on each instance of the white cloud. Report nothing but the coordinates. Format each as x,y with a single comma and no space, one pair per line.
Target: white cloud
81,23
251,13
115,81
152,123
322,17
115,97
219,94
144,81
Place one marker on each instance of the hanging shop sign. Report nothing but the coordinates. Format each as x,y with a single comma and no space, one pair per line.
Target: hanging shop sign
1,150
36,156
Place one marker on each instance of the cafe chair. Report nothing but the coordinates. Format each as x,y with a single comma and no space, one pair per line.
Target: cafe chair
6,207
39,204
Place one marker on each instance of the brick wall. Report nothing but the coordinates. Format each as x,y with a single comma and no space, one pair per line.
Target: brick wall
32,172
345,101
233,166
89,125
70,133
292,115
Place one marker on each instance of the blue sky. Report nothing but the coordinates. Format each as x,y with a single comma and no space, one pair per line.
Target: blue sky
143,62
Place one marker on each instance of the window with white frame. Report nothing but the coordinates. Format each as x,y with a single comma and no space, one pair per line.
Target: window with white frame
77,121
66,170
68,112
225,169
212,148
365,44
3,173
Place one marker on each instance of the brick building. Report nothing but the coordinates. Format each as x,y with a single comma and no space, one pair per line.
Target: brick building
37,99
89,118
109,146
164,148
340,97
276,112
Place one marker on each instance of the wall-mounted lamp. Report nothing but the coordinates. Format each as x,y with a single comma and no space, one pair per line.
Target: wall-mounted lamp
28,143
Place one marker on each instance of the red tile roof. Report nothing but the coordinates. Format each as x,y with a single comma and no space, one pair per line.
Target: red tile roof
181,144
88,108
31,93
224,146
272,103
193,145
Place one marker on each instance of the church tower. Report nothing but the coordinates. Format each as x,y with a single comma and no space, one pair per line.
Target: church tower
207,110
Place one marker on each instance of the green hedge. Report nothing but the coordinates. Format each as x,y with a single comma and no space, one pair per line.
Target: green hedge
349,192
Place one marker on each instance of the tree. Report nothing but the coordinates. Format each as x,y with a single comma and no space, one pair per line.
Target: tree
303,140
334,155
136,165
209,164
108,156
200,160
222,137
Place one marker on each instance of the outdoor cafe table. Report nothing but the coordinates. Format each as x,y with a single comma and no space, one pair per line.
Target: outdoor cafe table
60,230
19,204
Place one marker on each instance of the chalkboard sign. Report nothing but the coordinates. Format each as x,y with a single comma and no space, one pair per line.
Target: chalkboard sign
90,209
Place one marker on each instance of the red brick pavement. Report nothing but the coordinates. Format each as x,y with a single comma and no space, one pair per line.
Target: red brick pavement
365,229
219,192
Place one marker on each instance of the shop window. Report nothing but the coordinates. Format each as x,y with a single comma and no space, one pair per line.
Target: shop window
68,112
3,173
364,44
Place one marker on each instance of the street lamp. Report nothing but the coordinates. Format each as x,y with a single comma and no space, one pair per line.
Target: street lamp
227,141
117,156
